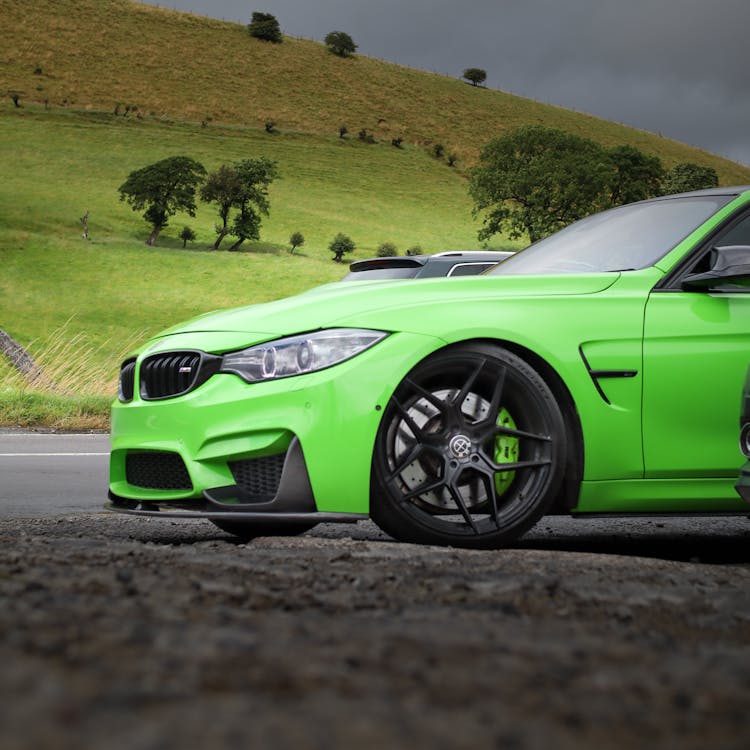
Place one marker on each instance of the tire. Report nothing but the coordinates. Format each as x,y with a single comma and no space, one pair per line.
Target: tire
470,451
248,530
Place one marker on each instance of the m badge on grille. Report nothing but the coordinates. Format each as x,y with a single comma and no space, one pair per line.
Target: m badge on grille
185,370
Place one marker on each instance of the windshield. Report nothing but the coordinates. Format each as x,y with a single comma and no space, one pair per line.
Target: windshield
622,239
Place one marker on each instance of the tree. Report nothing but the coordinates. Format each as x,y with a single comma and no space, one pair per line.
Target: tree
265,26
340,245
296,240
387,250
340,43
222,187
186,235
163,189
475,76
255,175
687,176
242,186
635,176
536,180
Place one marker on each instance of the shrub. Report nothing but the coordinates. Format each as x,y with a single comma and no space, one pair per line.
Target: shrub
387,250
187,235
270,126
414,250
451,159
340,43
265,26
365,136
397,142
475,76
438,150
296,240
343,130
341,245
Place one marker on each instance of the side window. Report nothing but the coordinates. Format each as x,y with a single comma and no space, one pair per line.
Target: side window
469,269
739,234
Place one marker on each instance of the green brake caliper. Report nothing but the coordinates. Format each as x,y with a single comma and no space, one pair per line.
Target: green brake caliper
506,452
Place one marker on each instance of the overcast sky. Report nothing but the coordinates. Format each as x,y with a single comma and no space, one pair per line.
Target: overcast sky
675,67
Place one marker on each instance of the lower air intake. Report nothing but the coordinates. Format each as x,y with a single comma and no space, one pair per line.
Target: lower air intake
157,470
259,477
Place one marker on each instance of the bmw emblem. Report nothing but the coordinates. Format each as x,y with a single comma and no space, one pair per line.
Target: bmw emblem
460,446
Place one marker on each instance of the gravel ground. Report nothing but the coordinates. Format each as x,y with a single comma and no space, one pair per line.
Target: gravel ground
122,632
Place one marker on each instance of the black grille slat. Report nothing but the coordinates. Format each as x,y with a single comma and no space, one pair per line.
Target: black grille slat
157,470
161,376
259,478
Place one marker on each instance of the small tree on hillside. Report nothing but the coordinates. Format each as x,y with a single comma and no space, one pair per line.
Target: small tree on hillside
222,187
296,240
475,76
256,175
163,189
340,43
242,186
687,176
265,26
414,250
187,235
340,246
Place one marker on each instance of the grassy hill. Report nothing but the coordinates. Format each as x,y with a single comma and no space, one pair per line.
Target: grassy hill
63,163
204,88
95,53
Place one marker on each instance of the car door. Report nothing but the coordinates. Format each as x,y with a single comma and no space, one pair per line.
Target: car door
696,350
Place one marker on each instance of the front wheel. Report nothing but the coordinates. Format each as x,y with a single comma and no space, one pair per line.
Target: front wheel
470,451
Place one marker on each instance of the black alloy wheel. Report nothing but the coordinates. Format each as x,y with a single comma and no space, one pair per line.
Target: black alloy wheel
470,451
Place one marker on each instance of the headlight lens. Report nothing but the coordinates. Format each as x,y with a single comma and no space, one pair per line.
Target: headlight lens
296,355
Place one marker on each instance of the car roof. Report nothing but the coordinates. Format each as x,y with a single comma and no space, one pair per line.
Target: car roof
730,190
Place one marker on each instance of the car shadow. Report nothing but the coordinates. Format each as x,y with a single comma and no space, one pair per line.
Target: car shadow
716,540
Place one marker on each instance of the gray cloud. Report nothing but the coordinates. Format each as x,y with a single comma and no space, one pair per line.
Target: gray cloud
676,67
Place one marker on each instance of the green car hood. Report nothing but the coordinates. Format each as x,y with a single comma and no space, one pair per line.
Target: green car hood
340,304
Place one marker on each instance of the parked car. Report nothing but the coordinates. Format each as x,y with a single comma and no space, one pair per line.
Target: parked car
453,263
743,485
595,372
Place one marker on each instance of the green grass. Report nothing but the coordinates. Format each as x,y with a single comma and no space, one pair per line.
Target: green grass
29,409
114,289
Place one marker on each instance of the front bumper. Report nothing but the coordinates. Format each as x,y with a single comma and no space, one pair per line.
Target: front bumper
274,450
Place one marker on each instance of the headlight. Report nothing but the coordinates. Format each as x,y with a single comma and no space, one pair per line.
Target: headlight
299,354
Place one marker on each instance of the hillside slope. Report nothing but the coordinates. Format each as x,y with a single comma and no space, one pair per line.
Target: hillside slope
96,53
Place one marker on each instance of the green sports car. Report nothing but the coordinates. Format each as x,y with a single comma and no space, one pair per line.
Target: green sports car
595,372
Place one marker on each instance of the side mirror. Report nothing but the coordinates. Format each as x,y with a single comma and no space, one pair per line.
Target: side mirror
730,264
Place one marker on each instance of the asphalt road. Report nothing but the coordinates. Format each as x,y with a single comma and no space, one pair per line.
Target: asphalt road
51,474
47,475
